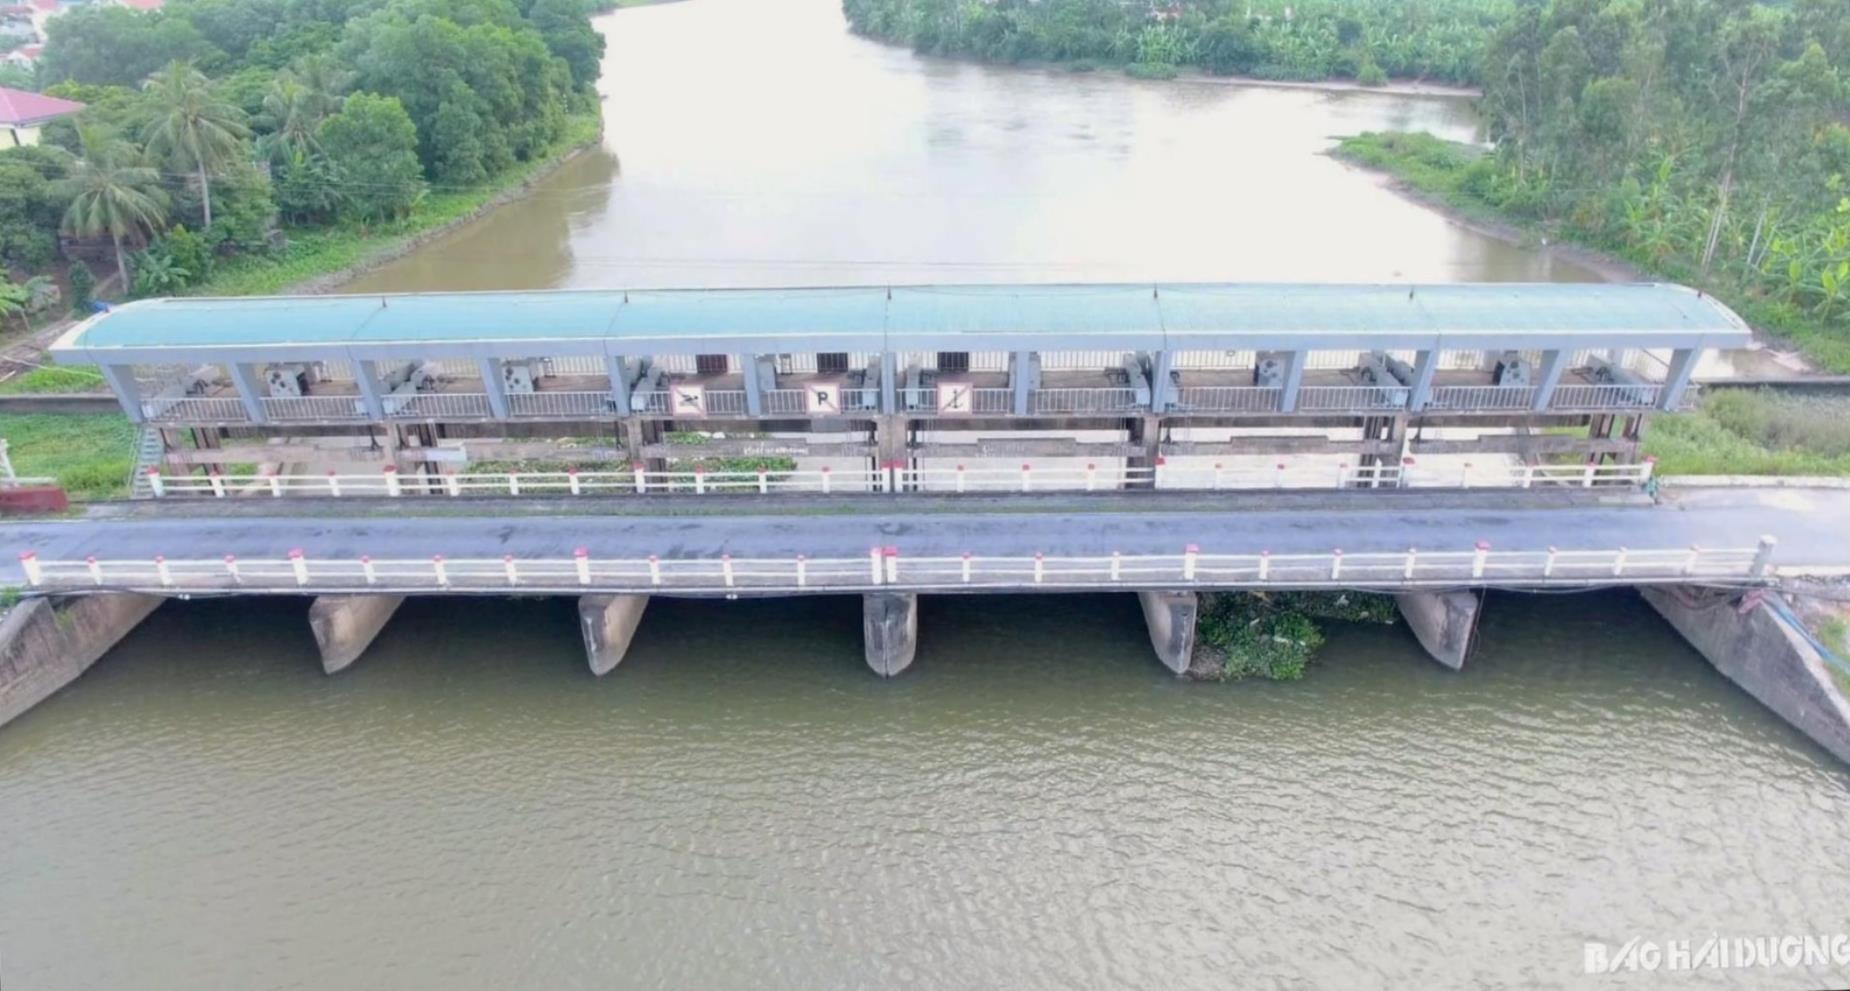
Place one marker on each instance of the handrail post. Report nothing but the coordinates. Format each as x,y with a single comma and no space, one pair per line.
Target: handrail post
96,570
367,569
333,483
1689,563
891,554
1040,567
1025,485
1548,563
1618,563
392,487
1117,566
29,563
442,572
1406,572
1091,475
826,475
639,472
802,571
1763,556
725,568
507,564
571,480
1189,556
217,482
299,565
1336,563
231,570
1480,558
655,570
966,568
155,483
161,569
581,560
1265,566
875,572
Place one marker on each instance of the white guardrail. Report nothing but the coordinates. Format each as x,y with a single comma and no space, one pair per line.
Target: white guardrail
895,478
884,566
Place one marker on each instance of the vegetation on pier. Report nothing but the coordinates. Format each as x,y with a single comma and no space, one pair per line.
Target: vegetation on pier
237,145
1274,635
1368,41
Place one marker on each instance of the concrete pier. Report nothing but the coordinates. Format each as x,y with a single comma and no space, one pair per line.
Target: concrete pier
609,623
890,626
1444,622
46,643
345,625
1171,618
1759,650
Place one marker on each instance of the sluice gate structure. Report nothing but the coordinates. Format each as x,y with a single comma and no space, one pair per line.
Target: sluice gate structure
1103,398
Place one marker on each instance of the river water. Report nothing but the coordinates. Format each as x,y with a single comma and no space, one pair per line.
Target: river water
1037,804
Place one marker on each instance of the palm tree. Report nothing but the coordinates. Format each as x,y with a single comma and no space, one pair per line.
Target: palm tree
111,192
192,127
291,113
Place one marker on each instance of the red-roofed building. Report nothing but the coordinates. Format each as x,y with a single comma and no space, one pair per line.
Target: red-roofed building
23,113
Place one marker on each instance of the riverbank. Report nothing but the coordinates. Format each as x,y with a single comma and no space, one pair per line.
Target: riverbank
1187,74
318,261
1440,175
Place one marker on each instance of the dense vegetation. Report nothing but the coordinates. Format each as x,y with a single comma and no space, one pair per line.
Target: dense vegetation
1703,140
1754,432
1274,636
91,455
1366,40
219,132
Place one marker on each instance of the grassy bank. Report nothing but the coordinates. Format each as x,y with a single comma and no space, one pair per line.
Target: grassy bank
91,455
1461,178
319,253
1753,432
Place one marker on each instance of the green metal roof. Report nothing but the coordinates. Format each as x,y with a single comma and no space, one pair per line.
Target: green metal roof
920,317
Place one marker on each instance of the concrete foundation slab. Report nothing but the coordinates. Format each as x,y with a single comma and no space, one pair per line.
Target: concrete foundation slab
46,643
1171,618
1444,622
1759,650
609,623
345,625
890,626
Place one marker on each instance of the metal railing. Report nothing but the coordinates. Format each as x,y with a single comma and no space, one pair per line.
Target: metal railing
437,405
883,567
315,408
1352,397
1476,397
1599,397
1084,400
1088,477
964,402
598,403
1225,399
216,409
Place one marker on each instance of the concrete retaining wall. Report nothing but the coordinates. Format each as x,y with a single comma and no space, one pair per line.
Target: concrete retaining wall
1759,651
46,643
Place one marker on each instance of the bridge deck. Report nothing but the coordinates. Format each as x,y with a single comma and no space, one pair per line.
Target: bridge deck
1806,524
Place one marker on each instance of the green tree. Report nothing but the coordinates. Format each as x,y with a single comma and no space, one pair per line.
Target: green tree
565,25
14,298
103,43
112,193
83,288
292,113
373,145
193,128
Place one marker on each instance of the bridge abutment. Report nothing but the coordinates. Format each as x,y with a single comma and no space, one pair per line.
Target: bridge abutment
1171,619
46,643
890,627
609,623
1445,623
1762,650
345,625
